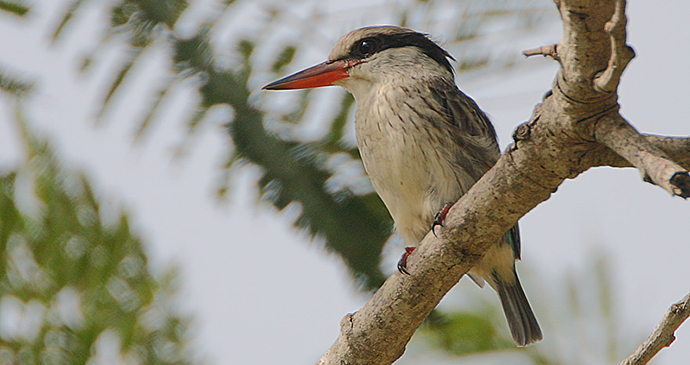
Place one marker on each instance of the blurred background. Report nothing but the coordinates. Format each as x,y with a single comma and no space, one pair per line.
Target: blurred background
156,207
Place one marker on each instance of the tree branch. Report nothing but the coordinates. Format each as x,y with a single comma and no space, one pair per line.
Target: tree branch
656,167
663,334
677,148
550,51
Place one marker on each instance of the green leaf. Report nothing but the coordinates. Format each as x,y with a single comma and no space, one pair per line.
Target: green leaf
124,71
17,86
71,10
284,59
14,7
464,333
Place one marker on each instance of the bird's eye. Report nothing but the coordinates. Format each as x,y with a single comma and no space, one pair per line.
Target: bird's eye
367,46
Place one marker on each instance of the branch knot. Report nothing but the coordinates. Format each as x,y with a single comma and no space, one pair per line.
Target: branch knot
522,132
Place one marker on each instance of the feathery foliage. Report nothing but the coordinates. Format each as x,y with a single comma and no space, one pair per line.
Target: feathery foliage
74,280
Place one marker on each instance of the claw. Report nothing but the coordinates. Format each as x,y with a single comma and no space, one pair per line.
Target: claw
402,264
440,217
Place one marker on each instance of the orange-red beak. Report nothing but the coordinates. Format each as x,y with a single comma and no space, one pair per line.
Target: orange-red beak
323,74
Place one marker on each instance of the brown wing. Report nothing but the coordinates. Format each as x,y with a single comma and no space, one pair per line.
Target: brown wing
477,135
474,133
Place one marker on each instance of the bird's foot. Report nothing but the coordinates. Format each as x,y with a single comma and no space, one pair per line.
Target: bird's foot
440,217
402,264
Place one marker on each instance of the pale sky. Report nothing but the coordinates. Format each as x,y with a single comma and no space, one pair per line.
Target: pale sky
289,312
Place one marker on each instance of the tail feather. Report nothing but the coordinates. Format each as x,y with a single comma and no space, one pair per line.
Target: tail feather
521,320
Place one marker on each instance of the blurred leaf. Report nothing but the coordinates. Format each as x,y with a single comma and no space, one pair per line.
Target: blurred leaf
124,70
607,305
71,9
149,11
335,134
284,59
143,126
143,21
300,108
14,7
14,85
464,333
192,125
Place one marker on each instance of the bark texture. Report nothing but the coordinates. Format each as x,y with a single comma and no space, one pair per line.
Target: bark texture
577,126
663,335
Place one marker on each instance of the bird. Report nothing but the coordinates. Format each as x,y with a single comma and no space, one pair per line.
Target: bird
423,143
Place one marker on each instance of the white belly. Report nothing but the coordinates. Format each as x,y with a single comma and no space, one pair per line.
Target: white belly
410,167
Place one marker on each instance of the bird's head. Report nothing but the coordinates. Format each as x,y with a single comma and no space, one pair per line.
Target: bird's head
371,55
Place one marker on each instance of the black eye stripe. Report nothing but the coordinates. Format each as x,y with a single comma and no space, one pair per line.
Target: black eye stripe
369,46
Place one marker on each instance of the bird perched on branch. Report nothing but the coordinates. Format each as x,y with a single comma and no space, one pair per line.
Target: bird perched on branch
423,144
